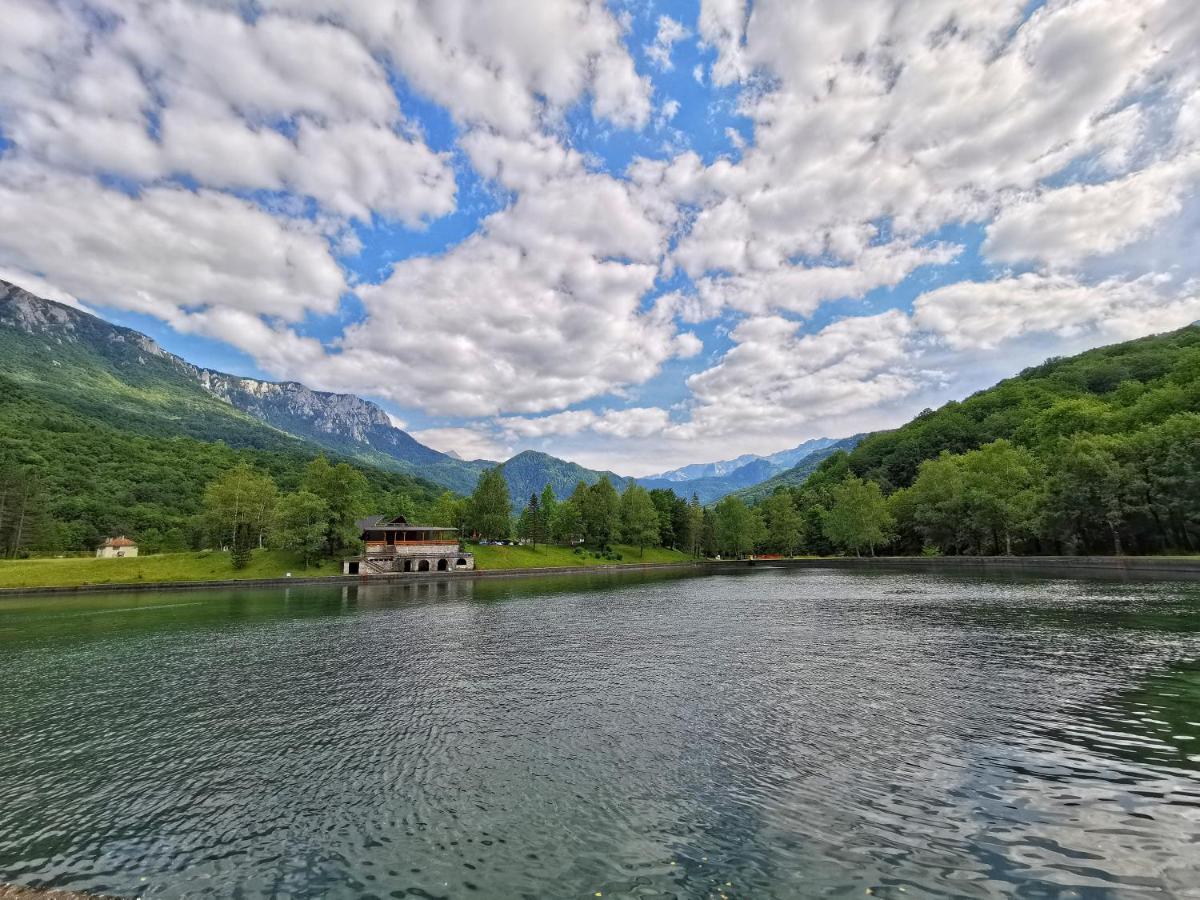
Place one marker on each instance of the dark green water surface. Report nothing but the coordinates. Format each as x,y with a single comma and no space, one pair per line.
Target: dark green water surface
776,734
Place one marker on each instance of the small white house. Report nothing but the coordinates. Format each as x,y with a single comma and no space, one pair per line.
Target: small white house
116,547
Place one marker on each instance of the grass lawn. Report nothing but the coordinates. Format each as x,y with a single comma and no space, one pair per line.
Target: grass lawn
215,566
194,566
546,555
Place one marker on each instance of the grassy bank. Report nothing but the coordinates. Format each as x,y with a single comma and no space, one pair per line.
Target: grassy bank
202,566
545,555
215,566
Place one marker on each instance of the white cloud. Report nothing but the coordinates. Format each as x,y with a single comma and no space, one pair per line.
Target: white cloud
670,32
540,310
984,315
504,63
1064,227
775,377
467,443
166,252
632,422
219,87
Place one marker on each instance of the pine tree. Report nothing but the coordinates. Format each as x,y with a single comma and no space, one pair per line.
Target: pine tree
243,541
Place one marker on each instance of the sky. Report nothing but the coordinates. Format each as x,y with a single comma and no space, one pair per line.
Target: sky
632,234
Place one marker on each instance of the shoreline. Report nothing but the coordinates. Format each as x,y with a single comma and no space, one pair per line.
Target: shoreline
1048,566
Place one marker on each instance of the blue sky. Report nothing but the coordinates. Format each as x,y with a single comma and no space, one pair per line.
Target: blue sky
636,234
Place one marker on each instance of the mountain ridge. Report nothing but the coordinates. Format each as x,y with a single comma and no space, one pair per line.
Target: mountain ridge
351,425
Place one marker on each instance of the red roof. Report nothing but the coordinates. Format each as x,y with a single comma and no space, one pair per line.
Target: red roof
121,541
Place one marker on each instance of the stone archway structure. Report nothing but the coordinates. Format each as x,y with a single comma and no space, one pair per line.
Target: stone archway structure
423,566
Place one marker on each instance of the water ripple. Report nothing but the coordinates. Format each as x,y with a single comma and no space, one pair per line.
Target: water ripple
781,734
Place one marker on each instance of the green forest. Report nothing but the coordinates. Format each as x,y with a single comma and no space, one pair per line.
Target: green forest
1093,454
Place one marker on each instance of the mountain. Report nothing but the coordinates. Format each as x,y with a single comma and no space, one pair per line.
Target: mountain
703,470
529,472
798,473
712,481
784,459
123,436
343,423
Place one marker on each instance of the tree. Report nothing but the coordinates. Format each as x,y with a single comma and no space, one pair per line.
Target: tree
1001,486
549,505
859,518
399,503
301,521
936,505
449,511
601,513
694,537
240,497
666,504
566,526
531,524
1090,486
639,518
738,529
243,543
784,526
24,517
490,513
343,489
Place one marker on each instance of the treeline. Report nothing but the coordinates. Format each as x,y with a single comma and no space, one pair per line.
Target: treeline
597,516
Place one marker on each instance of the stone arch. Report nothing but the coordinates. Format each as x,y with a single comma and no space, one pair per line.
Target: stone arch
408,565
423,566
460,563
443,565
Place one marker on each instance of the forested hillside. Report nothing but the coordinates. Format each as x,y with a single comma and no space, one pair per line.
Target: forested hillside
102,434
1096,453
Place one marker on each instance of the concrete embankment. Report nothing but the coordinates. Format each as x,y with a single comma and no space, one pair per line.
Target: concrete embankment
1046,566
1133,567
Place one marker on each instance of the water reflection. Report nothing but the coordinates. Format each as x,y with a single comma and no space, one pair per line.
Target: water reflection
778,734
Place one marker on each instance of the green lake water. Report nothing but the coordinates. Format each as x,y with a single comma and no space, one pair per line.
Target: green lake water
775,734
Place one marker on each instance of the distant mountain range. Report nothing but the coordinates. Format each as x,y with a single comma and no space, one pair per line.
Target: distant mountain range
712,481
798,473
342,423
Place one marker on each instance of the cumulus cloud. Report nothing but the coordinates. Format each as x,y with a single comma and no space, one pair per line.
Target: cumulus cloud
633,422
503,64
777,377
541,310
670,32
467,443
194,162
1062,228
181,89
164,250
983,315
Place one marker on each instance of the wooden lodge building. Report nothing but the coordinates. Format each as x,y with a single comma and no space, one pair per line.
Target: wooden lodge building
391,544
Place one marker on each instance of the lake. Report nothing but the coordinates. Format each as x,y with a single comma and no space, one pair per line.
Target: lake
772,734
